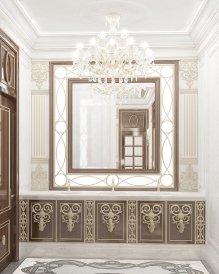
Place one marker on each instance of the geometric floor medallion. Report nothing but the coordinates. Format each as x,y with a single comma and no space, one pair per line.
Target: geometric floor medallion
70,266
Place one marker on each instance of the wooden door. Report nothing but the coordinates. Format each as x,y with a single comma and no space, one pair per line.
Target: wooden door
8,153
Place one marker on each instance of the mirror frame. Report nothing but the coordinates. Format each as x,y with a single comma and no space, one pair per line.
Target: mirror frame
70,169
108,177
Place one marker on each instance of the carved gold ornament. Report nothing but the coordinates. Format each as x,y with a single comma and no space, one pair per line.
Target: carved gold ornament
181,215
132,221
70,214
200,222
89,221
42,214
151,215
110,215
23,220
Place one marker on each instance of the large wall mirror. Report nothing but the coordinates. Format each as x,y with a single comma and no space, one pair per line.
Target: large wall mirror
114,141
115,132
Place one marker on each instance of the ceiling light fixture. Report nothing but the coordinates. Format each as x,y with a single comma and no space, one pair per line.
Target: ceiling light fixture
112,58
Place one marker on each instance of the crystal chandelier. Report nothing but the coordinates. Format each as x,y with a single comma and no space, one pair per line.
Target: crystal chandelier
112,60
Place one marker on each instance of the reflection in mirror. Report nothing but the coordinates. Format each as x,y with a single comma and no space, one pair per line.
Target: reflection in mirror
117,132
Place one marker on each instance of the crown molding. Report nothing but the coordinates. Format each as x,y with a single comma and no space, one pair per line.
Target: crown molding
206,30
196,39
13,23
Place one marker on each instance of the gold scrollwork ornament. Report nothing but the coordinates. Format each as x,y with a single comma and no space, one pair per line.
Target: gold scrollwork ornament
181,216
42,214
110,215
151,215
70,214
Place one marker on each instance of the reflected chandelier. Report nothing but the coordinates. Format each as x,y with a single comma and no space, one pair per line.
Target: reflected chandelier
112,57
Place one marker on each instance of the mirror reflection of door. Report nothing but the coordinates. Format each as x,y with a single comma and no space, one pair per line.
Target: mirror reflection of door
133,134
137,138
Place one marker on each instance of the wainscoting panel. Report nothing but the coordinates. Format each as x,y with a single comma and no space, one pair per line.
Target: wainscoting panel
151,222
110,221
131,221
42,221
181,222
70,221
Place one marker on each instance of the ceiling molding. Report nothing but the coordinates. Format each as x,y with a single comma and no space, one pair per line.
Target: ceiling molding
194,39
16,26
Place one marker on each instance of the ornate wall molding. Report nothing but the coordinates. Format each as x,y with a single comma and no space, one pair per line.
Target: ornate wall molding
189,72
132,221
89,222
110,215
39,73
189,179
23,221
181,216
39,178
42,214
151,215
70,214
200,222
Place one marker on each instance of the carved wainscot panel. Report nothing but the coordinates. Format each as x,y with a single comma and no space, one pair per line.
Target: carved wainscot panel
181,221
151,222
111,221
70,221
42,218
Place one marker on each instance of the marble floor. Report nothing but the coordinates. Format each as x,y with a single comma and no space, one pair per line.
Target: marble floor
70,266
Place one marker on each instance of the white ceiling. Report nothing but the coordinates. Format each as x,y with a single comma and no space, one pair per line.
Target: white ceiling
86,16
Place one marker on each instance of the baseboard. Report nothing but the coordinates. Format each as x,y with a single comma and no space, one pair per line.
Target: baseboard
111,251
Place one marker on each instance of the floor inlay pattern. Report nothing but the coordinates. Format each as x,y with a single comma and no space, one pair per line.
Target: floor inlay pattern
69,266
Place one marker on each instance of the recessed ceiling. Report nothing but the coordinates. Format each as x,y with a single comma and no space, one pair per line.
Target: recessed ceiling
85,16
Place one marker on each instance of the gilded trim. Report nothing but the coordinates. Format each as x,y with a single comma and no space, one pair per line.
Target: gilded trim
132,221
200,223
23,220
89,222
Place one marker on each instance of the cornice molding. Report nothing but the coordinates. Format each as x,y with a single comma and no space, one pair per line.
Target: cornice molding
197,39
16,27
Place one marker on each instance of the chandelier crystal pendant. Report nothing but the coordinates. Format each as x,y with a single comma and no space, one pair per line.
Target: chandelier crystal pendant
112,58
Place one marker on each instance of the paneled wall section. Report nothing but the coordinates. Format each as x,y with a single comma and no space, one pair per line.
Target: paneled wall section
168,222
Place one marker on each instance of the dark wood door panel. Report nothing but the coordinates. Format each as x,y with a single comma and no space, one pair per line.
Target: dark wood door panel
8,151
8,65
